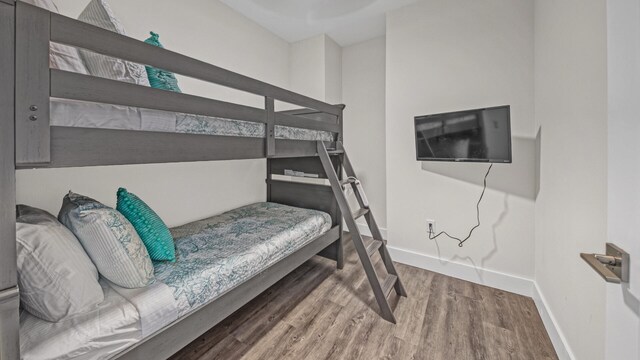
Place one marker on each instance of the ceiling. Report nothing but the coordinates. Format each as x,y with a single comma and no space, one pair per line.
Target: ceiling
346,21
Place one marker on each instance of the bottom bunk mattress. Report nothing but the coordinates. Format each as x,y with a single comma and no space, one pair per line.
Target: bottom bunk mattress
73,113
213,256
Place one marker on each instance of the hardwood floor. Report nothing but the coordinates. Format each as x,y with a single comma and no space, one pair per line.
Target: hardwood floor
318,312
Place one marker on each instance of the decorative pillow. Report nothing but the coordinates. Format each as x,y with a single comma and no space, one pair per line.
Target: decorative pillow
99,13
56,277
109,239
158,78
152,230
61,57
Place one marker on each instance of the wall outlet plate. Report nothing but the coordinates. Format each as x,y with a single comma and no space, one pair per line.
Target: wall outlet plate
433,227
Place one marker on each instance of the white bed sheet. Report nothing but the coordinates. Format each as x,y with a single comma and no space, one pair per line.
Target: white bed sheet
113,326
155,305
105,116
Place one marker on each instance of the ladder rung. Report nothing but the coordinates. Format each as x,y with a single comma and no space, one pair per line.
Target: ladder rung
373,247
360,213
335,152
348,180
389,281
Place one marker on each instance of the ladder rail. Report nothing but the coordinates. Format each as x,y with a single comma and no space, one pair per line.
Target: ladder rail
369,270
371,222
381,289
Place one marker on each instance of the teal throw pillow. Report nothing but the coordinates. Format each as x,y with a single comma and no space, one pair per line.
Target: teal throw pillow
152,230
158,78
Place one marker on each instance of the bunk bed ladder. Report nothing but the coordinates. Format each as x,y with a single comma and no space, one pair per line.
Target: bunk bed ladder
381,289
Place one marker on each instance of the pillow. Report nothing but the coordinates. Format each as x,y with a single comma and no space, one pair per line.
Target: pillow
99,13
152,230
109,239
158,78
61,57
56,277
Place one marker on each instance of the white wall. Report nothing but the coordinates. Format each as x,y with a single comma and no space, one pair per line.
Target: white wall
333,71
207,30
307,67
316,68
623,301
363,91
571,209
445,55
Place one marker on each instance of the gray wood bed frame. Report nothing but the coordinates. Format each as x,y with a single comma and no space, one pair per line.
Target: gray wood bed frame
27,140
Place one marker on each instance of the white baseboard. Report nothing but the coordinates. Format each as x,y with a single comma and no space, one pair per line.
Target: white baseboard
495,279
555,334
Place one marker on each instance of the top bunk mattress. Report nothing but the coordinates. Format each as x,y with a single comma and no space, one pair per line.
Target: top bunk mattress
73,113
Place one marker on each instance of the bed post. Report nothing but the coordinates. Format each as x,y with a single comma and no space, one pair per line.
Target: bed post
9,299
304,194
270,134
32,88
338,168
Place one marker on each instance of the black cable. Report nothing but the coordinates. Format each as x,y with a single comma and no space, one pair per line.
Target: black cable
461,241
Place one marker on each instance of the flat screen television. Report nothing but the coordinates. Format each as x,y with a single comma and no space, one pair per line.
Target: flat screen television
479,135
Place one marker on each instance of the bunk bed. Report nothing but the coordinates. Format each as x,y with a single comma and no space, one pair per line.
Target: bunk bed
38,130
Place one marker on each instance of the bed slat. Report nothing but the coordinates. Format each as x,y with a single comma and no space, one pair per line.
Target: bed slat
306,123
89,147
308,196
297,148
309,165
76,33
69,85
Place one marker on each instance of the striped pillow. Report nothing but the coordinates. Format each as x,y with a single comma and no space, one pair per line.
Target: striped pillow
109,239
61,57
99,13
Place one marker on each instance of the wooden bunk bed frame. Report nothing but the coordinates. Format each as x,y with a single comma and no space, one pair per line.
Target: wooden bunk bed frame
27,140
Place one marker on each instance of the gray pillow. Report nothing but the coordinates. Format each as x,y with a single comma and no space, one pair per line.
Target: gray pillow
99,13
61,57
56,277
109,239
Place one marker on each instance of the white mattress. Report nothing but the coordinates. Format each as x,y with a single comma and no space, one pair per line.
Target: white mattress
111,327
72,113
125,317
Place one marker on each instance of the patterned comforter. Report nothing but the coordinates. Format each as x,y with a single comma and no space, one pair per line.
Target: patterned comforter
215,255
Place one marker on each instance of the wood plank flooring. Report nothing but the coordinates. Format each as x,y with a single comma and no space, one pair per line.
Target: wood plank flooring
318,312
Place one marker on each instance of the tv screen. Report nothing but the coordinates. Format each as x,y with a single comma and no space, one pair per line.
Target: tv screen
480,135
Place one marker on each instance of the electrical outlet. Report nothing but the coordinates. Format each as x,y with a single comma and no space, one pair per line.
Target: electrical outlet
431,227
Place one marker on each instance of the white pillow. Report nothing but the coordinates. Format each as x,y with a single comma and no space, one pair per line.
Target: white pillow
61,57
99,13
56,277
110,240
